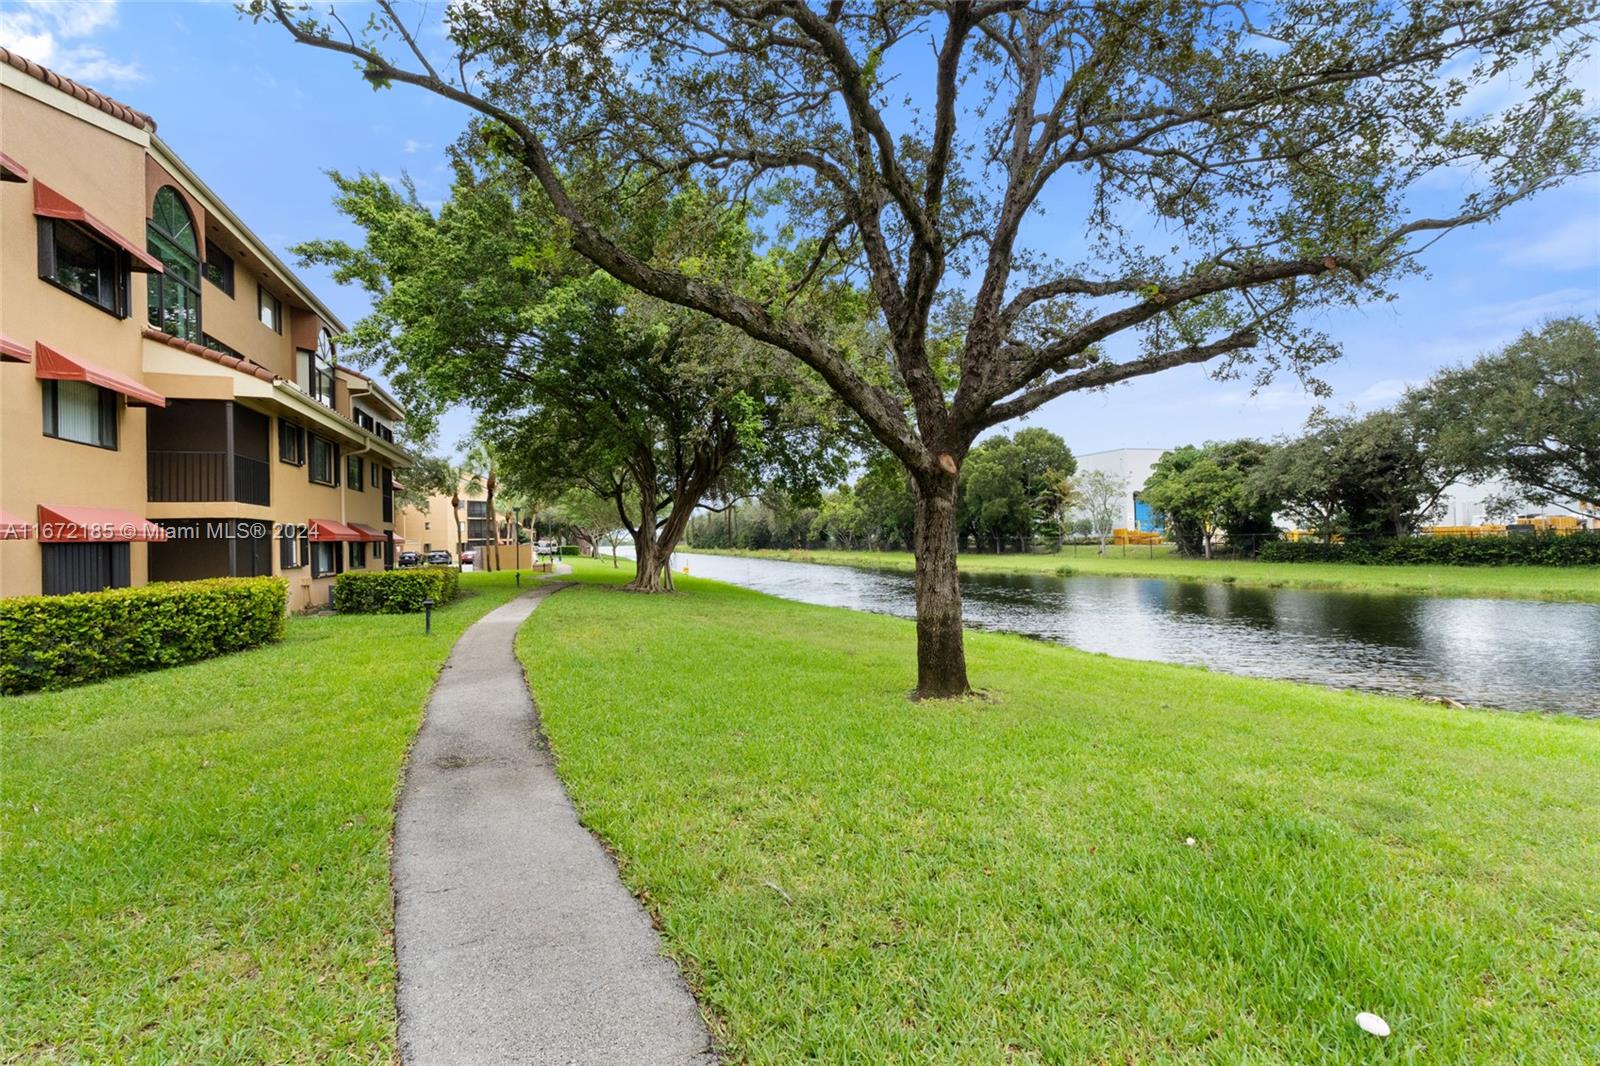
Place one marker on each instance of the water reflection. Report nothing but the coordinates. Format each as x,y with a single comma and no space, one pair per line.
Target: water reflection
1498,653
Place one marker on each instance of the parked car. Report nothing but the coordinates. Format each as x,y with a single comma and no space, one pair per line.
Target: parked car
469,557
440,558
408,559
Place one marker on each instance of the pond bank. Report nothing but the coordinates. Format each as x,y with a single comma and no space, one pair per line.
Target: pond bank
1578,584
847,876
1521,655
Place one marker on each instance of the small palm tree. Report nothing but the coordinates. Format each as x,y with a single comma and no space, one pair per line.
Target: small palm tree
480,460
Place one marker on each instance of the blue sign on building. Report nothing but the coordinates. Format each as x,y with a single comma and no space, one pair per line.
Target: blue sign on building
1146,518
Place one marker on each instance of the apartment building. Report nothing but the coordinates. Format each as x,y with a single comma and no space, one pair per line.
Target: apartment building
434,528
171,404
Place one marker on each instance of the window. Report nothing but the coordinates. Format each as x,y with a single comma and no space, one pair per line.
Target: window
291,443
218,268
270,308
358,554
375,482
477,508
68,568
325,558
364,420
314,370
291,551
324,461
71,259
427,525
175,293
211,342
353,470
78,411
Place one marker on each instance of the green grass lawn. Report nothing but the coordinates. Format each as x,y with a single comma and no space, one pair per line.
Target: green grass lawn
846,876
196,861
1518,582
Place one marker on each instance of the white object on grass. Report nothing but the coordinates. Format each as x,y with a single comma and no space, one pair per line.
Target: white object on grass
1189,842
1371,1023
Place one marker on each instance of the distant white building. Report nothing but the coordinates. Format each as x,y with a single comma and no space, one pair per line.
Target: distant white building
1132,466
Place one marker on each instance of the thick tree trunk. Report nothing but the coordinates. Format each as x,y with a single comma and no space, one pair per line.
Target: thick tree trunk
941,655
647,559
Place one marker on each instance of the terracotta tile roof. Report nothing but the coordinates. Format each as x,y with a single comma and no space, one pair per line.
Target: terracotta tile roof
234,362
115,108
241,364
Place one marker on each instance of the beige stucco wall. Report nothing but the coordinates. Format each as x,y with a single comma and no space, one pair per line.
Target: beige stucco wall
431,529
106,166
102,170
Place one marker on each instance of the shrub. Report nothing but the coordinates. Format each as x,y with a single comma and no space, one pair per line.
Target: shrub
1538,549
394,591
56,641
570,549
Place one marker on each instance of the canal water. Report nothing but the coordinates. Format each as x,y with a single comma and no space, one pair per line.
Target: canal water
1515,654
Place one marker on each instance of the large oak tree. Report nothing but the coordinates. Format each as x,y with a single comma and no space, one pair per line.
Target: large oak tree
1218,169
576,379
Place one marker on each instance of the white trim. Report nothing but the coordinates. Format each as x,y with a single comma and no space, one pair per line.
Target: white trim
33,88
197,188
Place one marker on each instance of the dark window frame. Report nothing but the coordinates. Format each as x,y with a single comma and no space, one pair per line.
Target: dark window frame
264,294
157,284
110,409
358,555
311,462
297,544
222,263
354,467
119,265
334,553
290,431
215,345
52,561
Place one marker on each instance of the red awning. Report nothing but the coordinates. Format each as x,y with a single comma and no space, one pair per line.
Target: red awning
47,203
14,351
328,529
396,486
14,528
368,533
57,367
11,170
58,525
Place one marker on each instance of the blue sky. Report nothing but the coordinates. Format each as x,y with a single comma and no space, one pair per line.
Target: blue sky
262,120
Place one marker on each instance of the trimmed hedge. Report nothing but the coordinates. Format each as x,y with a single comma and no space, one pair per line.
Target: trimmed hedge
570,551
1533,549
394,591
56,641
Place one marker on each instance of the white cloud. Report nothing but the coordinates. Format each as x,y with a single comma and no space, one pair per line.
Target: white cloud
1381,393
413,146
51,33
1574,245
1516,315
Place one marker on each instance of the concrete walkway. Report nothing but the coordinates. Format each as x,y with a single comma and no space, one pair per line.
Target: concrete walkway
516,941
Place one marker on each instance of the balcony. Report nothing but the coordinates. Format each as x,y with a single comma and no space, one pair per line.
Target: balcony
206,451
202,477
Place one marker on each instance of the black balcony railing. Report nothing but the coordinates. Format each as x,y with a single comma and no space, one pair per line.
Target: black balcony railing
202,477
184,477
252,480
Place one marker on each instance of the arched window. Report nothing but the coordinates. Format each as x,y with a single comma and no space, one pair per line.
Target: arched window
175,294
315,372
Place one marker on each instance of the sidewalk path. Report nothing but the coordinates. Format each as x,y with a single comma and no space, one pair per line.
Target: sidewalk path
516,941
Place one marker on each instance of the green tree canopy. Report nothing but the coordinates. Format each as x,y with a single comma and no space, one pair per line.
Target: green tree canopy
1201,491
1275,148
1530,413
578,381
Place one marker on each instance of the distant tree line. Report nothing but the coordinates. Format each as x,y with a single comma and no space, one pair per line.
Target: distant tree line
1529,414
